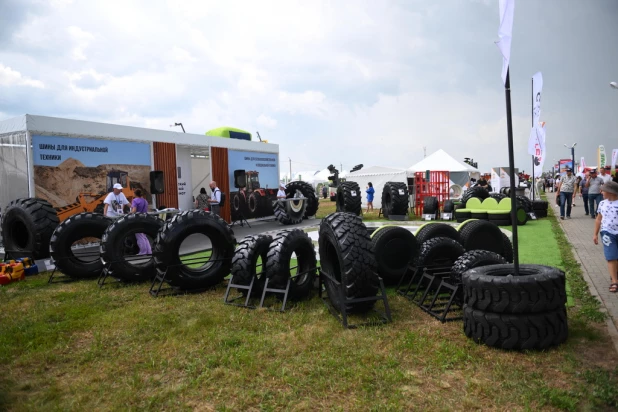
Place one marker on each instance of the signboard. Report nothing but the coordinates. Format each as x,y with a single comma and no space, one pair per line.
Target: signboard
185,186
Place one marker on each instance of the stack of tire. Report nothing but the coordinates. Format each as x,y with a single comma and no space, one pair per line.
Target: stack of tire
349,198
395,199
506,311
540,208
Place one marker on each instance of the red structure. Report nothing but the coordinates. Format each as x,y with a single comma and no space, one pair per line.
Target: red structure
436,183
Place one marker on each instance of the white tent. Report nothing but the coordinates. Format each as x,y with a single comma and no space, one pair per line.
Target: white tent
378,176
460,173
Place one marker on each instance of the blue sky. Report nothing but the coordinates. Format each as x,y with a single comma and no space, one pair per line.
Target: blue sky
331,82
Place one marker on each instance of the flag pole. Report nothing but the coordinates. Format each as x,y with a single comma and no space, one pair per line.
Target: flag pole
532,112
509,125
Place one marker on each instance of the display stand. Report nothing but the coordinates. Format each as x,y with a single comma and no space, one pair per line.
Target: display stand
157,289
243,211
109,272
341,312
65,278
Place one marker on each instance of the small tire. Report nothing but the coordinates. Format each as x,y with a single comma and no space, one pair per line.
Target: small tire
346,255
308,192
395,199
540,205
395,249
244,262
430,205
449,206
433,230
349,198
473,259
516,332
287,214
482,235
439,253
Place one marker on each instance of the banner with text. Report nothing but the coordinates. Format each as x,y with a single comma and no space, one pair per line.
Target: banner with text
601,154
614,158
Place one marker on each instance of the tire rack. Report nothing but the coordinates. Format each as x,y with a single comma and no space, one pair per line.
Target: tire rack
436,301
66,278
437,185
109,272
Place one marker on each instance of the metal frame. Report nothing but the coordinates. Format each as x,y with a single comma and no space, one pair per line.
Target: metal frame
437,186
173,291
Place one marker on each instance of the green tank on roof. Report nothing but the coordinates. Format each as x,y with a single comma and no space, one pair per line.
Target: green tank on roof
229,132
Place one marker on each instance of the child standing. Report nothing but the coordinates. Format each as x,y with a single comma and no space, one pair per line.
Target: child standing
607,222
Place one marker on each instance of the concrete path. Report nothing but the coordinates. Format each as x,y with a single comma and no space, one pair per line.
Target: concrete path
579,231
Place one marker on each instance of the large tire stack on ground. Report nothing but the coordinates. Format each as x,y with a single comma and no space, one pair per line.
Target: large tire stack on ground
395,249
293,188
349,198
290,212
477,191
395,199
27,227
540,208
515,312
347,256
470,260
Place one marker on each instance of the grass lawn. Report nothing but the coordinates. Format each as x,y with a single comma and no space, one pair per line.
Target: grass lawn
74,346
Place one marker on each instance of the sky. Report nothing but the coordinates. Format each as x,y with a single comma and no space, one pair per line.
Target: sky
341,82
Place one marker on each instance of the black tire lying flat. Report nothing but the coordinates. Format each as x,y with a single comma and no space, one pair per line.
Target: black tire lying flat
244,262
449,206
395,199
113,246
540,213
349,198
346,255
507,251
474,259
80,226
432,230
540,205
496,289
171,236
27,227
290,213
439,253
477,191
283,245
526,203
482,235
308,191
430,205
395,248
507,331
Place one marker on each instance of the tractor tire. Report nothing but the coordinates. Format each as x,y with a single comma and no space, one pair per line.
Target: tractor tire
80,226
395,199
482,235
171,236
430,205
496,289
540,213
538,205
508,331
433,230
113,246
439,253
244,263
288,214
507,253
525,203
477,191
27,227
349,198
497,196
307,190
283,247
449,206
473,259
395,249
346,255
254,202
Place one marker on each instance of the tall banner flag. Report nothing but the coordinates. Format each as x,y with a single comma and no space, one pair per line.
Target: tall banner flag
537,89
614,157
505,32
537,136
601,152
582,165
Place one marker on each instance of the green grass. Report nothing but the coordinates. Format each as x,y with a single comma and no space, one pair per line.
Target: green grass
77,347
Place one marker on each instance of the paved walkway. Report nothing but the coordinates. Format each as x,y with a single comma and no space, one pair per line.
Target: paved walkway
579,231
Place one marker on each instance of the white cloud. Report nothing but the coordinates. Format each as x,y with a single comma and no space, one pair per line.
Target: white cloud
10,77
266,121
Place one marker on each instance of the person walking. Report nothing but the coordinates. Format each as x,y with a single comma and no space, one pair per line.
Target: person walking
565,191
215,198
607,223
594,192
578,180
201,201
584,191
605,174
370,192
115,202
140,205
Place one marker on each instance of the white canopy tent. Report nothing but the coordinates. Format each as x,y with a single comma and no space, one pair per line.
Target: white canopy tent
460,173
378,176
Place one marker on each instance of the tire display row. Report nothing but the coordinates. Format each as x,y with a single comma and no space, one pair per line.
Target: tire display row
395,198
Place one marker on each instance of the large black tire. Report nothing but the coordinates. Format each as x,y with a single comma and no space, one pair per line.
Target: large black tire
27,227
113,247
477,191
432,230
525,203
430,205
439,253
349,198
288,214
507,252
497,196
170,237
496,289
474,259
346,255
482,235
395,199
244,262
507,331
538,205
449,206
80,226
395,249
540,213
283,246
308,191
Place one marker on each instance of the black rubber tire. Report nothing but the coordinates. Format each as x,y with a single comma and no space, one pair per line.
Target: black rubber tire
482,235
70,230
346,255
395,199
508,331
430,205
171,236
244,262
525,203
494,217
432,230
540,205
479,215
540,214
254,202
477,191
286,215
474,259
395,249
283,245
507,250
439,253
113,246
27,227
496,289
449,206
349,198
308,191
497,196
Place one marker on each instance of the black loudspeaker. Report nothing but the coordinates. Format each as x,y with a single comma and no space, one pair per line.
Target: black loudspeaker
240,178
157,185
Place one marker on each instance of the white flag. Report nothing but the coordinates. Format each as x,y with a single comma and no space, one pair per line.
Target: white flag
537,90
537,135
601,154
505,33
582,163
614,156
